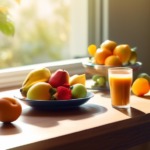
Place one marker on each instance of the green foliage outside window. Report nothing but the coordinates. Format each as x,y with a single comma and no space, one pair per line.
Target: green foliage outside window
36,39
6,24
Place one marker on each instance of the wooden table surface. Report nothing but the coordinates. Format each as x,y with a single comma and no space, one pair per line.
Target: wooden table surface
95,125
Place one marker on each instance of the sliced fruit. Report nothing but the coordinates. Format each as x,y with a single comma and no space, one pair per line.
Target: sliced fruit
77,79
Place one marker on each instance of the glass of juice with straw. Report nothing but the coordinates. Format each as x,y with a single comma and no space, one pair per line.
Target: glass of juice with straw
120,79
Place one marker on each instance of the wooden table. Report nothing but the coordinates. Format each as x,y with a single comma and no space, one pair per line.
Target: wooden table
93,126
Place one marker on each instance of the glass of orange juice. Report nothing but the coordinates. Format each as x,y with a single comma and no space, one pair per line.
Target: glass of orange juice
120,79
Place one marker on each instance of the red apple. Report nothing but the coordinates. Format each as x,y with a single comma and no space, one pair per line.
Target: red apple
10,109
59,78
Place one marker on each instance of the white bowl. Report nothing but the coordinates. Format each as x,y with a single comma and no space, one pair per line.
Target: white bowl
102,70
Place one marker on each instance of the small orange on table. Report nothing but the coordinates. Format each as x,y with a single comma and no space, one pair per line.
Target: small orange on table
140,87
10,109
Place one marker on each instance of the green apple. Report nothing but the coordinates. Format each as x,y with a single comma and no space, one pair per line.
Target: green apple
144,75
78,91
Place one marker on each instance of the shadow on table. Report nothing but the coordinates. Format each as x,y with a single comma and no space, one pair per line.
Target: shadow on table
131,112
145,97
48,118
9,129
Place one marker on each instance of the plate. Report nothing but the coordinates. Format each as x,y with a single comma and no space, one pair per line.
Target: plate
54,104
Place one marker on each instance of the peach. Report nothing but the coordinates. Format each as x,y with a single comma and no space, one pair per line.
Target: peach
10,109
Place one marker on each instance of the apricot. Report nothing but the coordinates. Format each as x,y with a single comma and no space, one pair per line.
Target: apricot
108,44
113,61
39,91
101,55
123,52
140,87
10,109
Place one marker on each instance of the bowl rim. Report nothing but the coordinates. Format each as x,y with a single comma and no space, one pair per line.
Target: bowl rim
89,64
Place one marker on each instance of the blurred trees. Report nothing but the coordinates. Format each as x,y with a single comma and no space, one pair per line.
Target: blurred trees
42,33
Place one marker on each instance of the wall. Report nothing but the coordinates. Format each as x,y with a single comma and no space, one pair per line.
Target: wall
129,23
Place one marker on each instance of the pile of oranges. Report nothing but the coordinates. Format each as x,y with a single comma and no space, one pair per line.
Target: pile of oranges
111,54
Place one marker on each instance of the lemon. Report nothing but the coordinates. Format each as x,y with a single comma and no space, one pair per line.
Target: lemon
92,49
75,79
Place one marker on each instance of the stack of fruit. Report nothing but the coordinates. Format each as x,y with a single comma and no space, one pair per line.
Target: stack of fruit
41,85
111,54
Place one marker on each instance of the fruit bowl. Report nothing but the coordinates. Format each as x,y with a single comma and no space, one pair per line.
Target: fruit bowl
54,104
102,70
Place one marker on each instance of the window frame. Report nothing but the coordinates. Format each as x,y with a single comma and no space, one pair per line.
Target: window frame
13,77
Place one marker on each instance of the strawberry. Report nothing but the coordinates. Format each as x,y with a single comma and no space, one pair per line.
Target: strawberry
66,85
63,93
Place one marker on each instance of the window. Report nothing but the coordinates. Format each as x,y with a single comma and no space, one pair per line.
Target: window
48,33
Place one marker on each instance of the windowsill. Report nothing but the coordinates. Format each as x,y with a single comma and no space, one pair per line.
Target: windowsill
12,78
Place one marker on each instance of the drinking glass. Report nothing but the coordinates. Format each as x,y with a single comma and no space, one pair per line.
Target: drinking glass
120,79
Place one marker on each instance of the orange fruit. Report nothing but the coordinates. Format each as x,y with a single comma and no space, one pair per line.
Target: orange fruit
10,109
113,61
123,52
92,49
140,87
101,55
110,45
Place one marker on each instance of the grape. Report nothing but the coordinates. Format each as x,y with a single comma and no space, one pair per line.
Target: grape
95,77
95,85
101,81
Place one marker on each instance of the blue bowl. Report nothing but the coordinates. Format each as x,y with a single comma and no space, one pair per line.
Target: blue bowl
54,104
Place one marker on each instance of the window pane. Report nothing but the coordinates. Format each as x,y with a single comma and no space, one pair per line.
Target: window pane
44,33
